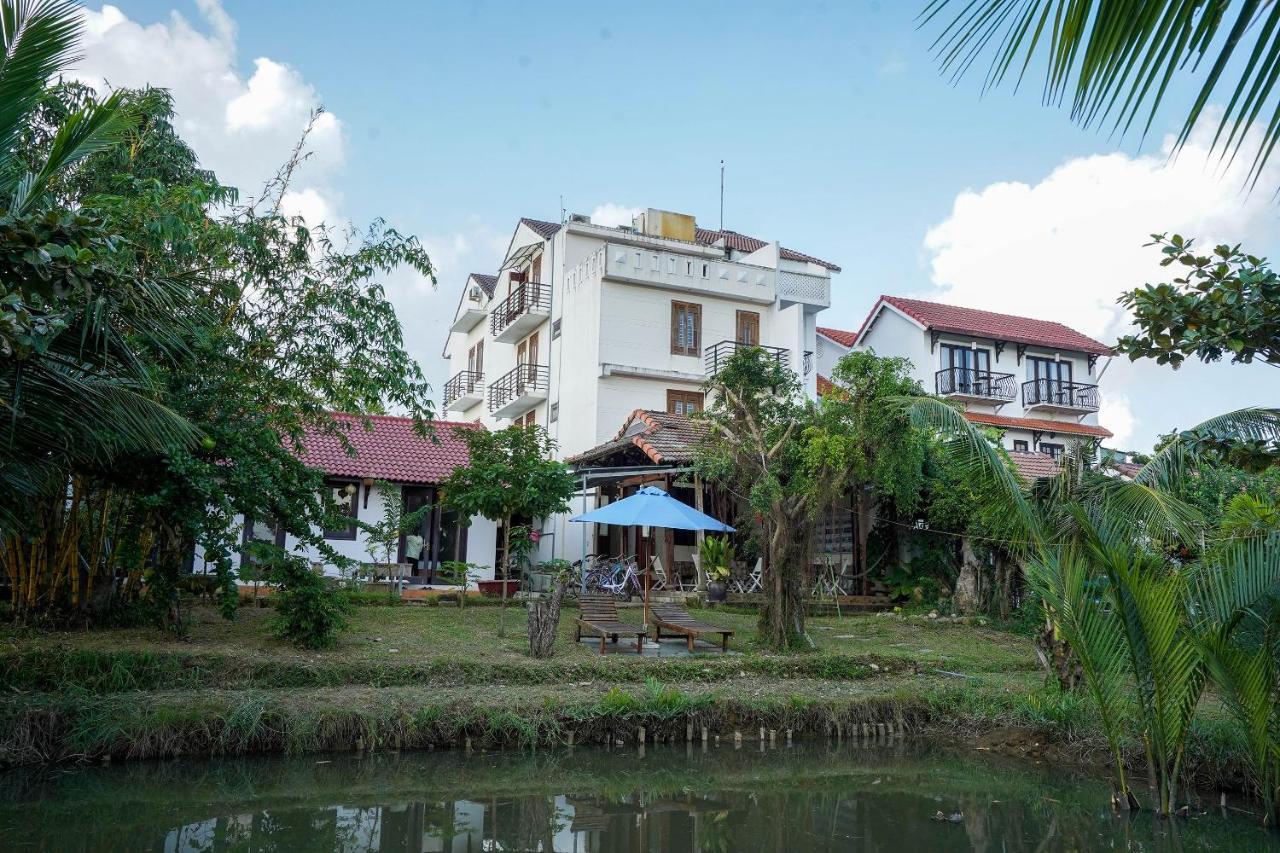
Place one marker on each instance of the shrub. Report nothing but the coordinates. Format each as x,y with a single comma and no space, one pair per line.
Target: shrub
309,612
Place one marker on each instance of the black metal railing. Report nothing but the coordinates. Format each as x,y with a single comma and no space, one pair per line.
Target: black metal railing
524,379
976,383
464,383
716,356
528,296
808,362
1059,392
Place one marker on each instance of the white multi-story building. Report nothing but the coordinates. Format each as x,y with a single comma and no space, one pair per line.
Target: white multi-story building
584,324
1036,380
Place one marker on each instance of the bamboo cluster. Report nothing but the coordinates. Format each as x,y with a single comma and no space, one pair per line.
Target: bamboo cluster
75,545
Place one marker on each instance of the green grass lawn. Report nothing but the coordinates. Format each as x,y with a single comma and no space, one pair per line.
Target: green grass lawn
413,634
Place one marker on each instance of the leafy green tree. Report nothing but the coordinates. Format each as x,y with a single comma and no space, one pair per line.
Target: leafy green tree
509,474
787,459
1113,60
1225,303
883,454
164,349
1088,538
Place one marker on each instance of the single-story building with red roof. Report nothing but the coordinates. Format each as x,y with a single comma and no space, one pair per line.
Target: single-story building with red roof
388,451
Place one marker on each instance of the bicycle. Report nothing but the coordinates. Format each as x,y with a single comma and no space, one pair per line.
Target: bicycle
624,581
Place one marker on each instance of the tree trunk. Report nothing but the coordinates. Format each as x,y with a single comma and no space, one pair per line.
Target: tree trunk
1058,657
782,614
506,570
544,620
966,598
862,502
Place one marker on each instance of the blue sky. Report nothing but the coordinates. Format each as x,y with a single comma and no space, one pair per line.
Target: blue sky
840,139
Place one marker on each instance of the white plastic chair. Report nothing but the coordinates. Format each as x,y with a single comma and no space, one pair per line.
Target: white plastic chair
752,582
659,579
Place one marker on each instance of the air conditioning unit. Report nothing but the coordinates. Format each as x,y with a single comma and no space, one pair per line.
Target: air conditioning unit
580,217
475,294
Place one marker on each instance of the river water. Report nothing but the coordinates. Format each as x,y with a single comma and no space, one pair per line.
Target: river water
810,797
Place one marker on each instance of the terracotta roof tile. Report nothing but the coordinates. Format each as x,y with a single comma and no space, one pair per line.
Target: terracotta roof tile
1033,466
390,451
825,386
545,230
664,437
989,324
743,243
1039,424
845,339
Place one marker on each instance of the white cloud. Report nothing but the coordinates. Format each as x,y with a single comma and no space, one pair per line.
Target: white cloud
1065,247
611,215
242,128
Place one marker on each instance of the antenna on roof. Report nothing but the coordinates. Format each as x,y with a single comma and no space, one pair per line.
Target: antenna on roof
721,195
562,208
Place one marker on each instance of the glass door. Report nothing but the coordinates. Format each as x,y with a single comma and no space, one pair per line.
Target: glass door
417,544
969,369
1053,380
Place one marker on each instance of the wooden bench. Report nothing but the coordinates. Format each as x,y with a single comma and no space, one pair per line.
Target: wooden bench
599,615
674,619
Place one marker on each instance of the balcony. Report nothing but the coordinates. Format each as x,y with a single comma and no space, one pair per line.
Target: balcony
519,390
1057,395
808,290
976,386
716,356
464,391
524,310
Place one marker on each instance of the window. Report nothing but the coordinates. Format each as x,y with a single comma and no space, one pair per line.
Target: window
527,350
475,358
554,414
1054,450
555,330
748,328
966,358
704,270
686,328
688,267
1020,445
342,493
269,531
683,402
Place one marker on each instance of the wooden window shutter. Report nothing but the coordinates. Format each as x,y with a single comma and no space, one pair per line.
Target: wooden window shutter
695,344
675,328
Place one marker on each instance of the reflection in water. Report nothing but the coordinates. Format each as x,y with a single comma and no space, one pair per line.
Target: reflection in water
816,797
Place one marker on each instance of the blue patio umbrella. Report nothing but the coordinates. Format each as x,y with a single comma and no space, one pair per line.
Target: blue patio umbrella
652,507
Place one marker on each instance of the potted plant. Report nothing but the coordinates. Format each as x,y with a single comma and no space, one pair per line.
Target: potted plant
714,553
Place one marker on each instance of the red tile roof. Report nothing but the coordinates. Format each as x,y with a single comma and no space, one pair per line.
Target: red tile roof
1033,466
743,243
390,451
1038,425
840,336
664,437
989,324
824,385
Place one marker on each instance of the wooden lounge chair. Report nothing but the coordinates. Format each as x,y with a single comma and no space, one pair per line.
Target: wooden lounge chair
674,619
599,615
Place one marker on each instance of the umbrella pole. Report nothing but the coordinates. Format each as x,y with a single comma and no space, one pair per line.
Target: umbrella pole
647,569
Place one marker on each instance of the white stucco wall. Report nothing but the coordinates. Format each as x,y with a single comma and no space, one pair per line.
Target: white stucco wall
891,334
481,540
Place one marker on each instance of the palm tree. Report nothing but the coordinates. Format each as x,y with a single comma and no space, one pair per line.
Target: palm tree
81,336
1115,59
1143,630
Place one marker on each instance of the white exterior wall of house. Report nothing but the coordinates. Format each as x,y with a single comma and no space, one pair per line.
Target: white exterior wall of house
827,354
611,291
893,334
481,540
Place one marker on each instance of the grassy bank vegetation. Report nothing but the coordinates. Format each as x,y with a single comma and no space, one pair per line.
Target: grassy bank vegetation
417,677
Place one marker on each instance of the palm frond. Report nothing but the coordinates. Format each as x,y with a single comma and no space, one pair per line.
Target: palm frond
94,128
1063,579
1182,455
1114,60
37,39
970,448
